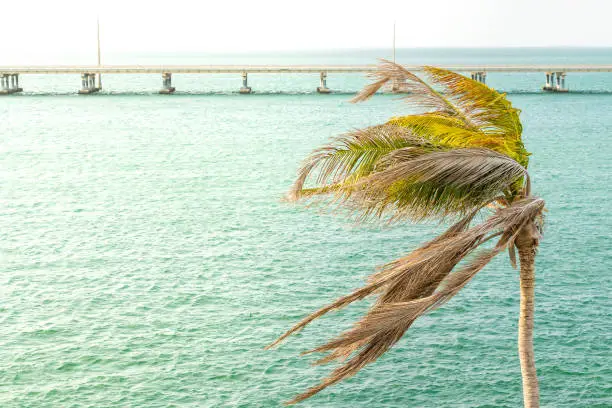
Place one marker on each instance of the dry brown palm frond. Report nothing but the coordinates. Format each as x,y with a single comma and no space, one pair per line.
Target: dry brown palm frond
387,323
338,304
415,293
369,90
412,278
378,321
423,266
380,279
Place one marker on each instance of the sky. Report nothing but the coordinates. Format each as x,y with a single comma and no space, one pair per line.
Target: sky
63,27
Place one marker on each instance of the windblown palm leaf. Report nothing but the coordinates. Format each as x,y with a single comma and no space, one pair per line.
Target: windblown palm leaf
355,155
438,184
421,94
489,110
462,158
453,133
460,104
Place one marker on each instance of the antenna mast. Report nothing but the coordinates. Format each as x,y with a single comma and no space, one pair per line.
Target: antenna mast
393,41
99,58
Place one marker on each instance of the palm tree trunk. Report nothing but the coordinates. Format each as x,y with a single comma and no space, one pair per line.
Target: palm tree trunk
526,243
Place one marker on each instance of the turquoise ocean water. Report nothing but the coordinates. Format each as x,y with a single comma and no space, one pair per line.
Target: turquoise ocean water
146,256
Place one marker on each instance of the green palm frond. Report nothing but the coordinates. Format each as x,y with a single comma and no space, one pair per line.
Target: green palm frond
488,109
422,123
352,156
461,103
390,169
452,133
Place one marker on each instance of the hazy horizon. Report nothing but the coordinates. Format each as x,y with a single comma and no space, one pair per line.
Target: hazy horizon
68,26
340,56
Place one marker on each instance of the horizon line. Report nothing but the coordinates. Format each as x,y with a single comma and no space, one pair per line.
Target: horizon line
334,49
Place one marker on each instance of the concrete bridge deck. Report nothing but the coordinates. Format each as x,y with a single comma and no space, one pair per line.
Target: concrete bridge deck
277,69
91,75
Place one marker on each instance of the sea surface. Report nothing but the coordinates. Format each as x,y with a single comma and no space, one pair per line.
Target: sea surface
147,256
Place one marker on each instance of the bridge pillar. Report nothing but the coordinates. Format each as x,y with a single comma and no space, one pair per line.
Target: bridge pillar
563,81
550,82
479,76
88,84
547,86
9,84
167,84
323,89
245,89
555,82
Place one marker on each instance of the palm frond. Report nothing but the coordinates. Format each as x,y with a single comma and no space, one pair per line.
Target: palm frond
422,122
393,314
353,155
466,104
426,254
435,185
488,109
376,333
419,93
369,90
459,121
451,133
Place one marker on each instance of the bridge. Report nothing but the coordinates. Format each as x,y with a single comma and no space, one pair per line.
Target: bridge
91,75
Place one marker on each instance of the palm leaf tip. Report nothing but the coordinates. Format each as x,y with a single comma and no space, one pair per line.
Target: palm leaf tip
368,91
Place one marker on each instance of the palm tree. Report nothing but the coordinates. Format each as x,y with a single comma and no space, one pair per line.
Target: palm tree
463,157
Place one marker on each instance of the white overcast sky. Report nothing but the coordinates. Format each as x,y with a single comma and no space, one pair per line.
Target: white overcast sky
49,27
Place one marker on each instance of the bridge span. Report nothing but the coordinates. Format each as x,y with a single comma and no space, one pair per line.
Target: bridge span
91,75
